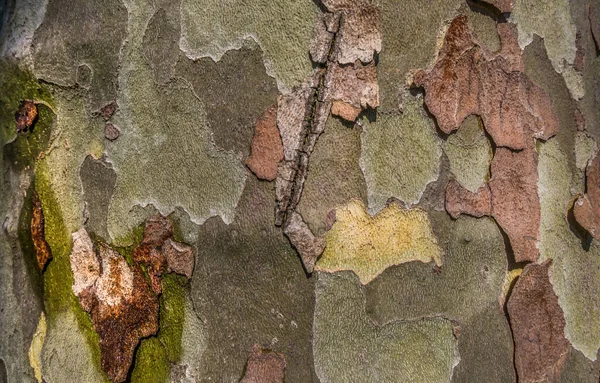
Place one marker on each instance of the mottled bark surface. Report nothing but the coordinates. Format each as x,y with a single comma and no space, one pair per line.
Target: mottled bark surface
299,191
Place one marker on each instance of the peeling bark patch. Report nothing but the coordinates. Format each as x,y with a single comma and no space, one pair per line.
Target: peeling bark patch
344,45
25,116
587,207
264,366
108,110
467,79
160,254
369,245
122,306
537,323
267,148
42,248
460,200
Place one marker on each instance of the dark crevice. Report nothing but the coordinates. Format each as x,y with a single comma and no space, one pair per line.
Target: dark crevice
580,232
489,10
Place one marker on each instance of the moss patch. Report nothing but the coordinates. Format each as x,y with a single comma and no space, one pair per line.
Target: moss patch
151,362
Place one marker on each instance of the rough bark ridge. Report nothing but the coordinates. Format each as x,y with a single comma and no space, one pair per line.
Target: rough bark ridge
345,42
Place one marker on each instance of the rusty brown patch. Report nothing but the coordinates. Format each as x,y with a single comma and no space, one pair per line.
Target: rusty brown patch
537,324
160,254
42,248
264,366
353,88
122,305
267,148
587,206
25,116
467,79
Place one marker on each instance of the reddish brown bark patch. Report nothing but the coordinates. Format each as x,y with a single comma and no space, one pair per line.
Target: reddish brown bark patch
267,148
160,254
511,197
462,201
587,207
467,79
537,324
25,116
43,253
264,366
515,200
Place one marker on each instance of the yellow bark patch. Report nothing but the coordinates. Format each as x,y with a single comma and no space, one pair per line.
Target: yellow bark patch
369,245
35,350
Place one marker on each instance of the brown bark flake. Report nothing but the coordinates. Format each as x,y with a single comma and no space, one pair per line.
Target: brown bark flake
264,366
25,116
467,79
267,148
43,253
537,324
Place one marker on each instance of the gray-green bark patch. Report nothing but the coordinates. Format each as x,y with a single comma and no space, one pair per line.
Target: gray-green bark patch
349,347
400,154
283,29
574,272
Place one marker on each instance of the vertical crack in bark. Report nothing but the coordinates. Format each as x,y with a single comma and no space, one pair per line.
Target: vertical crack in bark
345,42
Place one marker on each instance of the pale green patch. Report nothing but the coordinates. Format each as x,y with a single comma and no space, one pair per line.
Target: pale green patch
165,155
469,153
66,356
35,350
349,347
400,155
283,29
574,272
585,147
551,20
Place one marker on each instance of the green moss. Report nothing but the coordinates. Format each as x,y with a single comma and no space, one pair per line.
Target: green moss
151,363
58,277
172,315
18,85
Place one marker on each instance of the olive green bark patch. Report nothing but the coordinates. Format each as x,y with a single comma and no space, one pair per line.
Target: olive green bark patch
349,347
165,155
334,177
572,268
369,245
551,20
400,155
466,289
235,91
249,288
65,40
585,147
470,153
282,28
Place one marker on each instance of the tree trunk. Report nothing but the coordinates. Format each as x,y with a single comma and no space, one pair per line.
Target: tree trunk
300,190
